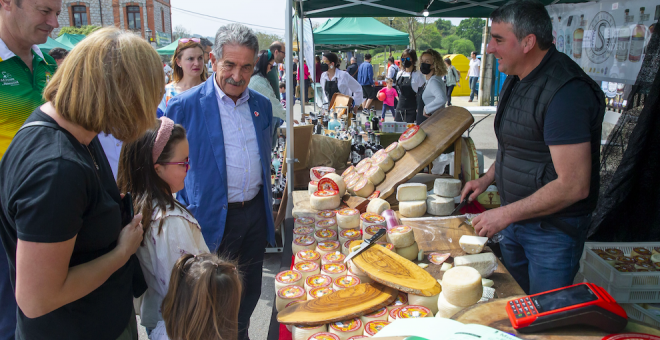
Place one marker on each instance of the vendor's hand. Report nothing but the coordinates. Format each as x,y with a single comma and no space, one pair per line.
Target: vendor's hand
130,237
490,222
476,187
459,84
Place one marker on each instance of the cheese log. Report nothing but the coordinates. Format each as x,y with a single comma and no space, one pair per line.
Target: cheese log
411,192
430,302
336,257
363,188
396,151
318,292
380,314
305,242
375,175
349,235
347,328
323,336
303,222
325,235
288,294
317,281
312,187
326,247
377,206
288,278
447,187
300,332
383,161
472,244
307,255
410,252
412,208
462,286
373,327
334,270
484,263
316,173
401,236
345,281
446,309
348,218
326,224
348,171
307,269
439,206
338,180
412,137
325,199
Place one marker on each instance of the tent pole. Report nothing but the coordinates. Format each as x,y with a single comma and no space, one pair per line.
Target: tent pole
288,39
301,61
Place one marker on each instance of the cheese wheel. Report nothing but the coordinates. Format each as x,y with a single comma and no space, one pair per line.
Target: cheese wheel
307,255
288,278
413,312
354,269
400,301
411,192
317,281
292,303
303,230
368,219
395,150
430,302
317,172
339,183
409,253
462,286
401,236
640,251
300,332
345,281
370,231
412,137
303,221
334,270
655,258
412,208
304,242
347,328
349,178
393,314
363,166
363,278
375,175
348,171
323,336
348,218
327,224
472,244
363,188
379,315
484,263
377,206
350,185
373,327
313,187
384,161
286,295
307,269
325,235
318,292
446,309
346,247
325,199
447,187
336,257
326,214
349,235
439,206
388,246
326,247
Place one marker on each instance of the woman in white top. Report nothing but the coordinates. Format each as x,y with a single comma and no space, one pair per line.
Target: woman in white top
153,168
434,95
408,81
334,80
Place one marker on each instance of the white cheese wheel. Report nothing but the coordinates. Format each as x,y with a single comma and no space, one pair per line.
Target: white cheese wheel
472,244
350,184
380,314
325,235
338,180
330,223
326,247
336,257
323,336
484,263
363,166
288,294
368,219
300,332
375,175
348,171
400,301
288,278
303,230
412,208
313,187
413,312
325,199
318,292
373,327
334,270
349,178
317,281
384,161
462,286
345,247
345,281
430,302
307,255
348,218
317,172
349,235
411,192
303,221
412,137
325,214
290,327
363,188
354,269
447,187
370,231
393,313
307,269
304,242
347,328
446,309
395,150
401,236
410,252
439,206
377,206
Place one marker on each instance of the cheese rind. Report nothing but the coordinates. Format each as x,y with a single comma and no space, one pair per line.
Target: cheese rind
412,137
411,192
348,218
412,208
338,180
375,175
325,199
326,247
439,206
299,332
395,150
461,286
304,242
484,263
306,269
446,309
472,244
410,252
447,187
401,236
430,302
312,187
383,161
347,328
287,294
288,278
363,188
377,206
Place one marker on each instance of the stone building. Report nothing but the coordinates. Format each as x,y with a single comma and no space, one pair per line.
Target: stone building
139,16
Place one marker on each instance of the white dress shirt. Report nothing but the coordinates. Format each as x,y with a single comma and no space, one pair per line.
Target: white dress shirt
241,147
418,79
112,148
347,85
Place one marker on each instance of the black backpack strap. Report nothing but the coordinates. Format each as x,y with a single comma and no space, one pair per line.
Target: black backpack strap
40,123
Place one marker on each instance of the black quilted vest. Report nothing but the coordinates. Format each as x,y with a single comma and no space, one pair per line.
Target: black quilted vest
523,162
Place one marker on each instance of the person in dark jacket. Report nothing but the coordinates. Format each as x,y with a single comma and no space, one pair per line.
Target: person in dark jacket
548,127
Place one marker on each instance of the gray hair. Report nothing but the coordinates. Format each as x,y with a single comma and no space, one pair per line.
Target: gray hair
527,17
235,34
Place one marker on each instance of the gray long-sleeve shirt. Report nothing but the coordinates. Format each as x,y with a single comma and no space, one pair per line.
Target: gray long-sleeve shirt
435,94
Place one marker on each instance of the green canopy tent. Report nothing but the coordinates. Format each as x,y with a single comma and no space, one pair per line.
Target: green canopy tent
70,40
51,44
356,33
169,49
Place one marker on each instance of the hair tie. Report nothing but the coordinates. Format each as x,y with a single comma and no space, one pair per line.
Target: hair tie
164,133
270,55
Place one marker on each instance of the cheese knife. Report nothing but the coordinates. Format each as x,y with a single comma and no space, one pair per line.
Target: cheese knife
366,244
462,204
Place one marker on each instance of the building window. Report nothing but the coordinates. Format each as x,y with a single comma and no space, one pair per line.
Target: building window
133,14
79,16
162,19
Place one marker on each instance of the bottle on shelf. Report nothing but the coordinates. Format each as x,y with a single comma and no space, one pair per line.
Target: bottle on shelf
560,36
377,145
357,150
375,123
368,151
334,124
623,40
326,120
578,35
638,39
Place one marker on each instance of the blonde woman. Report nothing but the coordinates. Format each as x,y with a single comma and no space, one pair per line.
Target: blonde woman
71,254
434,95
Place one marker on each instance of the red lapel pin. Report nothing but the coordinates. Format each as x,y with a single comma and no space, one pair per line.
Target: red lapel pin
256,114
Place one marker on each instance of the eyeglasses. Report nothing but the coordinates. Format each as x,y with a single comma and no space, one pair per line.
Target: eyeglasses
186,163
404,59
185,40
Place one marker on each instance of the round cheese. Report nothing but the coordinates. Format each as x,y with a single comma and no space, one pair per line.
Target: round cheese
348,218
288,278
363,188
288,294
392,314
354,269
347,328
335,182
326,224
304,242
313,187
325,235
373,327
379,315
363,278
303,221
348,171
323,336
461,286
336,257
395,150
317,172
350,184
388,246
412,137
349,178
384,161
409,252
377,206
318,292
375,175
446,309
349,235
363,166
345,281
300,332
370,231
317,281
346,247
412,208
325,199
326,214
400,301
290,327
430,302
439,206
401,236
307,269
472,244
334,270
368,219
411,192
413,311
357,337
447,187
303,230
326,247
308,255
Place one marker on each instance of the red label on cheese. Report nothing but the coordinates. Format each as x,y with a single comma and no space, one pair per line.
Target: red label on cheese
373,229
326,233
326,193
304,220
320,171
328,245
437,258
326,214
372,218
348,212
306,266
326,224
319,280
303,230
328,184
304,240
375,194
409,133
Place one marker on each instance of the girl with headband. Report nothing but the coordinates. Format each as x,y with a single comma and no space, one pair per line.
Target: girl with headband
153,168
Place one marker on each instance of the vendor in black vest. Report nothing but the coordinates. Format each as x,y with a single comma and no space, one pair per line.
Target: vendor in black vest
334,80
408,82
548,128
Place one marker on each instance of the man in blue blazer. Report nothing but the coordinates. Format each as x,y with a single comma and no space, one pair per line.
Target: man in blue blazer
228,186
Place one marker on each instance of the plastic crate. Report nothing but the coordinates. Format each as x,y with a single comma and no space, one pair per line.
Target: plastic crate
638,313
620,294
647,280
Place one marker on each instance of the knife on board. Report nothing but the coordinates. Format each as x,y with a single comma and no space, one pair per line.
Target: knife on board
366,244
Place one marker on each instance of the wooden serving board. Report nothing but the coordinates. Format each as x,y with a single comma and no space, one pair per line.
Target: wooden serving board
391,269
443,128
493,314
341,305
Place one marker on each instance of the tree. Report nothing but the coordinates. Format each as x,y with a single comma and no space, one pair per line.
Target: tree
429,37
180,32
472,29
448,41
266,39
463,46
84,30
444,27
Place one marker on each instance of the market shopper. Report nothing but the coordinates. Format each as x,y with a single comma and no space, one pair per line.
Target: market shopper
453,79
352,69
548,128
366,80
58,55
317,69
187,70
473,74
390,96
392,69
70,255
408,81
260,84
277,50
206,46
334,80
433,95
306,83
228,187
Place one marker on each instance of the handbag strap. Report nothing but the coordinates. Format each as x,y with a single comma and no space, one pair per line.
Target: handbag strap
40,123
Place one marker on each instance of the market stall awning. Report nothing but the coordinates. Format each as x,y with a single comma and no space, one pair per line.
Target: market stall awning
357,32
51,44
169,49
70,40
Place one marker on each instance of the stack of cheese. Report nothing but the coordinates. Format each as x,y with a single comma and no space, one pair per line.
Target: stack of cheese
461,288
412,199
484,263
441,203
402,238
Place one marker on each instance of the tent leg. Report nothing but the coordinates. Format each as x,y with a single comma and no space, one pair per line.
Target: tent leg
290,90
301,62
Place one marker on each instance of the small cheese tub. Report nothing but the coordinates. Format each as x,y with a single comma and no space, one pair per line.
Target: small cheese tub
300,332
335,257
323,336
347,328
379,315
288,294
326,247
349,235
318,281
401,236
303,221
318,292
373,327
414,311
369,219
334,270
370,231
345,281
400,301
304,242
308,255
303,230
323,235
288,278
307,269
329,223
348,218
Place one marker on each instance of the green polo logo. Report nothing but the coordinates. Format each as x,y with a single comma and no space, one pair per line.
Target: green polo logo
48,76
7,79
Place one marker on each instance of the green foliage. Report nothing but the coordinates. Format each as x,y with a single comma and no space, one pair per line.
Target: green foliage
444,27
266,39
472,29
448,41
429,37
84,30
180,32
463,46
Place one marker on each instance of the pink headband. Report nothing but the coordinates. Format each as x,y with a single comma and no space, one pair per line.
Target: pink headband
164,133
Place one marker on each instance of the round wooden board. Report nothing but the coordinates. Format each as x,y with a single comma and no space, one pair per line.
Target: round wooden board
469,160
493,314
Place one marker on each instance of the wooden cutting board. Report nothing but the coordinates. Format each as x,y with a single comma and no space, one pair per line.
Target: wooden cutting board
391,269
493,314
341,305
443,128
